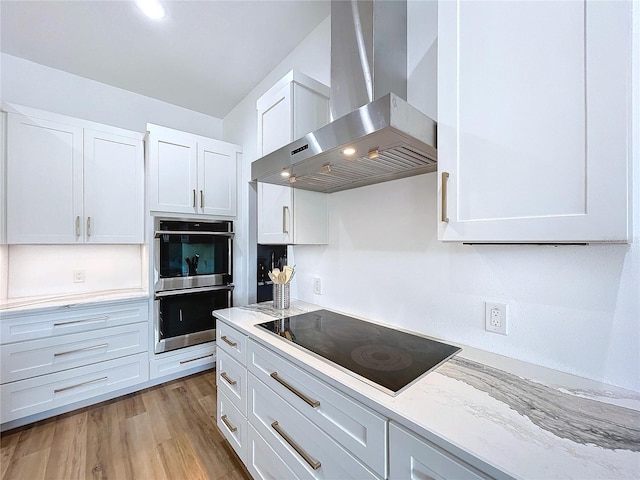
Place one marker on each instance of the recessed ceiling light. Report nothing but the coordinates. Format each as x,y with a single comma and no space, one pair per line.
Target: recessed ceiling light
151,8
349,151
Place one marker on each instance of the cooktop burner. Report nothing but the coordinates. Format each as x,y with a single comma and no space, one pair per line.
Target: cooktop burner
386,358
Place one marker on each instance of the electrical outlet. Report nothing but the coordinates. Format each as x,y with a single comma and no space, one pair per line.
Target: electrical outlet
317,285
78,276
495,317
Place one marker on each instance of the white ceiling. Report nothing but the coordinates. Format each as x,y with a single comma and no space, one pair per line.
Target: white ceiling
204,55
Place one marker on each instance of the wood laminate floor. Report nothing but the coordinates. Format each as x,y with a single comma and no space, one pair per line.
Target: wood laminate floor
165,432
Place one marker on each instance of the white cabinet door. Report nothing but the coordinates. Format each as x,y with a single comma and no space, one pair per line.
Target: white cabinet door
533,121
411,457
275,120
173,171
44,181
217,177
114,188
275,214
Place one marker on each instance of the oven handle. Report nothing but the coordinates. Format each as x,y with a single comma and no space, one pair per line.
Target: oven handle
191,232
186,291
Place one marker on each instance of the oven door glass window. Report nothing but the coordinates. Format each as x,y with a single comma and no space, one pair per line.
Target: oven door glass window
183,255
187,319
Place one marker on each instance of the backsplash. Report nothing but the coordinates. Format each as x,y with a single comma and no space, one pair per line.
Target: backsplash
37,270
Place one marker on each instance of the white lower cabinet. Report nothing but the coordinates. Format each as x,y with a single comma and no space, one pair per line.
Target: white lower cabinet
262,460
39,394
52,358
412,457
303,446
182,360
233,424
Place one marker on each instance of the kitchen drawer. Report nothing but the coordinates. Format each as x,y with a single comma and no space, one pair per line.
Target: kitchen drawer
34,395
17,327
303,447
231,341
233,425
262,461
360,430
232,380
48,355
164,364
411,456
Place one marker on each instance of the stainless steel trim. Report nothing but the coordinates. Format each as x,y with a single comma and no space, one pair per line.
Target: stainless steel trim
103,318
443,186
187,291
182,362
229,380
84,349
228,424
201,199
78,226
229,342
88,227
313,463
64,389
192,282
192,232
292,389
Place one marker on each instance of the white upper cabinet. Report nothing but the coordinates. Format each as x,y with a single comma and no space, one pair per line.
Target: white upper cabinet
191,174
71,181
294,106
534,104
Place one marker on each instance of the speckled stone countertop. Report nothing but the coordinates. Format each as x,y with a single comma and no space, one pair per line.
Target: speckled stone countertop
15,305
506,417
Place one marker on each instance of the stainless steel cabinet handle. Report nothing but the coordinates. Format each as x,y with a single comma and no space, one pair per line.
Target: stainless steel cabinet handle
201,199
445,178
307,458
228,424
194,199
182,362
233,344
229,380
88,226
285,209
84,320
295,391
69,352
78,226
64,389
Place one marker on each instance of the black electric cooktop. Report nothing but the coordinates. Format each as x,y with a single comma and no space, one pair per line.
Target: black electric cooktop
386,358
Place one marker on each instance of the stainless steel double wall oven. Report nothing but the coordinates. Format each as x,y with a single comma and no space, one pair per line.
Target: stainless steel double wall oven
193,274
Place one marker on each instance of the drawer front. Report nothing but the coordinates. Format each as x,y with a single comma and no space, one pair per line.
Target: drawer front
169,363
232,380
413,457
307,450
232,341
262,461
48,355
35,395
74,319
233,425
360,430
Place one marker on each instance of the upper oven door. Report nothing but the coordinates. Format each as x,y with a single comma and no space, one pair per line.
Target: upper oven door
193,258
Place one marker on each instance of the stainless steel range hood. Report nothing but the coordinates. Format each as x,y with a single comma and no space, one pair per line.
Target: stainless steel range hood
392,139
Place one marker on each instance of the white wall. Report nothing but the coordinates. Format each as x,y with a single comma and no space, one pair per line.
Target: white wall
573,308
46,270
38,86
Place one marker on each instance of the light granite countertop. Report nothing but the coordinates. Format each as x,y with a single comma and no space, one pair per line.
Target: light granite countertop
507,417
40,304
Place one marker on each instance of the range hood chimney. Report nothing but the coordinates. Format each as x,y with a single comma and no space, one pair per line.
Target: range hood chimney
392,139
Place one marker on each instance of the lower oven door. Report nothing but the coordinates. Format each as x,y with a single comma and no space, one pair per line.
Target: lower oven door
184,317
